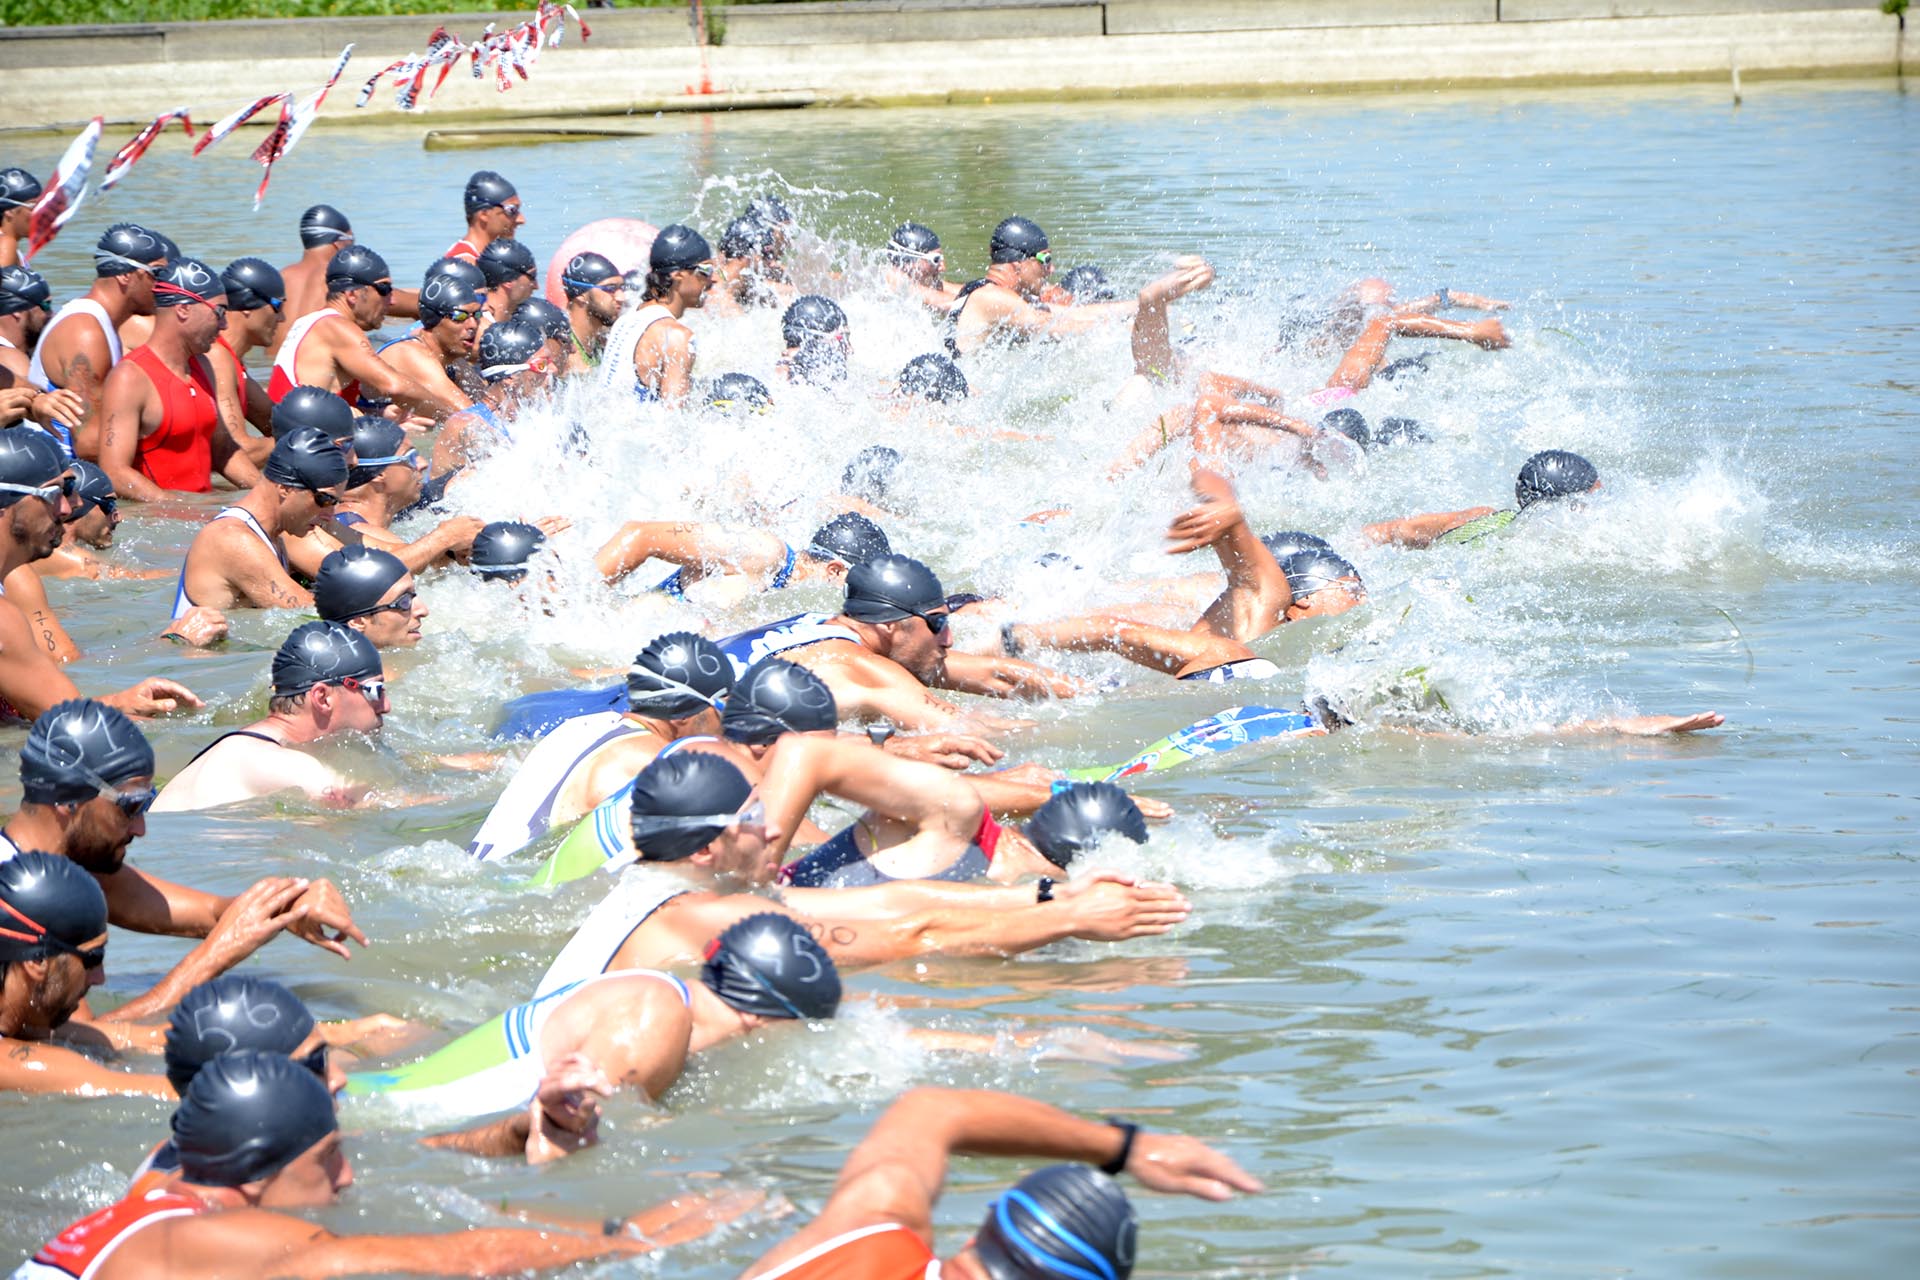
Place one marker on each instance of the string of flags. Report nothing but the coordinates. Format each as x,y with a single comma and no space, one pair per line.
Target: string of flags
513,50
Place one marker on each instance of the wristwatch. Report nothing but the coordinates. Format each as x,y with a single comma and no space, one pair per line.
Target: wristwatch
1128,1132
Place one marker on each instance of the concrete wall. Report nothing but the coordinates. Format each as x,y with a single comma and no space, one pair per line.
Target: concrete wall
921,51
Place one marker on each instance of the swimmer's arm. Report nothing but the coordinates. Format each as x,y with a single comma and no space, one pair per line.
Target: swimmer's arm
29,679
143,903
252,572
356,358
123,404
85,373
83,1031
874,688
306,552
24,588
944,809
1228,386
48,1068
230,457
905,897
1001,677
1420,531
1071,320
676,367
451,538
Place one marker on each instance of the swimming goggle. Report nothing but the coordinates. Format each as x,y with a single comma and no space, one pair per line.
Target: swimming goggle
411,457
461,315
751,816
576,282
91,957
163,295
65,487
321,498
102,258
403,603
726,403
132,803
931,255
373,688
1044,257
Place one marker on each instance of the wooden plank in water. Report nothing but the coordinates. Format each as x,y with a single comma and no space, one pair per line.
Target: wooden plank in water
461,139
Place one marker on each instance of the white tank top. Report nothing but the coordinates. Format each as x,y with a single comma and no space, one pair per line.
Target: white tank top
84,306
181,604
524,811
638,893
617,370
288,361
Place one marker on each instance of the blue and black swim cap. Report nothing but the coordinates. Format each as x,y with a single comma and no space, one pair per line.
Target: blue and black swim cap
18,189
23,289
508,348
850,538
48,906
317,653
252,283
378,443
770,210
323,224
891,587
247,1115
683,801
1075,820
678,248
79,748
94,488
1315,568
734,393
443,294
678,675
769,965
355,267
461,270
1285,544
747,237
550,320
870,474
29,459
1553,473
351,581
777,697
506,259
1016,239
1063,1221
487,190
502,549
1400,431
588,271
811,316
912,242
231,1014
933,377
186,280
819,362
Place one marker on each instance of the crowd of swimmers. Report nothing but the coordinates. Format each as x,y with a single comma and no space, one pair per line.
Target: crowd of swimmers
689,788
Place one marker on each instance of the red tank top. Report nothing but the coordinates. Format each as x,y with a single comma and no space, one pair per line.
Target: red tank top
79,1251
179,455
239,372
286,366
463,249
885,1252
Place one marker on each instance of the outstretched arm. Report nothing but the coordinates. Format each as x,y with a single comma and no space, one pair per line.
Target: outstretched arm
1257,594
1420,531
693,545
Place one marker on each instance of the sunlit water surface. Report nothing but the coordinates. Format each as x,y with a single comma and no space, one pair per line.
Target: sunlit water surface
1471,1005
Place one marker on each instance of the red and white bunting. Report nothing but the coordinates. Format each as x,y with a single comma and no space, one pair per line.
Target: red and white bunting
65,190
125,158
227,124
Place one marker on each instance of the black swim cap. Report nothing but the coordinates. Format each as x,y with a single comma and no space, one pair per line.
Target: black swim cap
911,242
1400,431
870,473
733,392
47,900
502,549
508,348
1073,821
850,538
682,802
351,581
93,488
678,248
1404,365
486,190
811,316
770,210
933,377
231,1014
1016,240
506,259
18,189
1285,544
550,320
248,1115
746,236
1314,568
314,407
1087,284
777,697
678,675
819,362
441,294
186,280
1350,423
1065,1220
126,247
317,653
768,964
78,747
252,283
461,270
1553,473
377,444
891,587
23,289
354,267
29,458
323,224
586,271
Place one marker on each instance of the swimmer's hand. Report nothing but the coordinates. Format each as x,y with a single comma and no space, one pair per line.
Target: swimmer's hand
553,526
1175,1162
1109,912
948,750
1206,524
564,1116
1080,1044
1660,726
328,923
688,1217
377,1033
1153,810
154,696
266,908
199,627
60,405
471,761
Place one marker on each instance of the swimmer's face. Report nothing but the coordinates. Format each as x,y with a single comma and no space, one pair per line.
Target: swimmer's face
315,1177
1032,274
300,510
397,624
519,289
96,527
335,1077
37,525
100,831
915,645
602,302
1337,597
691,286
67,981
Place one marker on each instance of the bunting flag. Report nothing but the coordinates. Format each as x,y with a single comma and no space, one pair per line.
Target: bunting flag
65,190
508,53
295,118
126,157
226,125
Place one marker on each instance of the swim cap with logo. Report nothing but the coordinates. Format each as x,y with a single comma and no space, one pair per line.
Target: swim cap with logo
678,248
737,392
1087,284
354,267
48,906
441,295
314,407
323,224
508,348
550,320
678,675
586,271
186,280
28,459
79,747
506,259
18,189
23,289
306,457
231,1014
819,362
126,247
1285,544
1314,568
318,653
870,473
933,377
777,697
1016,239
1064,1220
1553,473
461,270
1350,423
682,802
247,1115
911,242
252,283
377,444
746,236
768,964
94,487
1073,821
888,588
1400,430
850,538
486,190
351,581
502,549
811,316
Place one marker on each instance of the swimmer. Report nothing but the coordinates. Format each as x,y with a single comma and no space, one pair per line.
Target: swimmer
327,682
384,481
512,274
494,212
98,515
449,325
19,192
758,560
256,301
552,323
328,347
25,304
748,265
594,288
914,264
503,551
1550,476
244,556
819,325
37,498
1366,318
515,369
324,232
650,352
81,343
373,592
256,1134
1064,1220
1006,302
737,395
163,431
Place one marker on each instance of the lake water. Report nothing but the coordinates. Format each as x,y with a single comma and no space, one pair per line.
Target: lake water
1471,1005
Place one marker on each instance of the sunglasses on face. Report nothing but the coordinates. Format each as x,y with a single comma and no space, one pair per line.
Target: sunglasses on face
384,288
401,604
321,498
374,690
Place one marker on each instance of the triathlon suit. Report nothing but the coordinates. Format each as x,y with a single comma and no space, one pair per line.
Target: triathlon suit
179,456
181,602
8,849
239,371
617,369
497,1066
887,1251
524,811
952,337
82,1249
1474,530
580,349
603,840
631,903
749,647
37,370
232,733
1239,669
463,249
286,366
675,586
839,864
